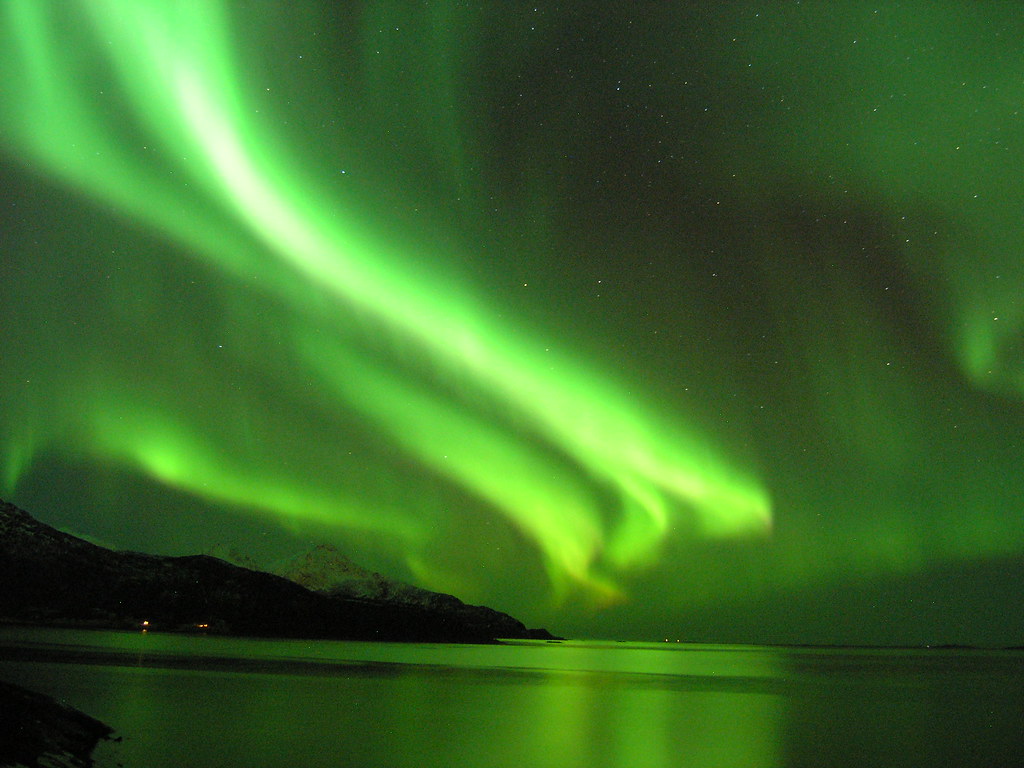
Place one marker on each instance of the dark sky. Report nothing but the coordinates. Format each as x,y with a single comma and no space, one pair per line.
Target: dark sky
698,321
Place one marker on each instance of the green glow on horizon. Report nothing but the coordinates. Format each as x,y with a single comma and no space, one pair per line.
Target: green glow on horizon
539,438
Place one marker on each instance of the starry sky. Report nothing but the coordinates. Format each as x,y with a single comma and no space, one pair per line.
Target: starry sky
635,320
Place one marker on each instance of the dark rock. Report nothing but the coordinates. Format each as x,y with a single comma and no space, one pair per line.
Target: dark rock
36,730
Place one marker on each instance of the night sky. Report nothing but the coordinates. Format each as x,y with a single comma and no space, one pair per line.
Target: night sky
700,321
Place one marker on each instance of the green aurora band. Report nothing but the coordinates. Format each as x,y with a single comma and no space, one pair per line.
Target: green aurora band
704,307
216,179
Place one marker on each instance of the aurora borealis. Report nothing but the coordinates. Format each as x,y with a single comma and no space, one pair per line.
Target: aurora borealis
616,319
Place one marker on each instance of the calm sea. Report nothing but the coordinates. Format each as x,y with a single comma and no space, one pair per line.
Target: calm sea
216,701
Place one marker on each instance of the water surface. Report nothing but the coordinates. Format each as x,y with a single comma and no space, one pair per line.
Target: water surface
217,701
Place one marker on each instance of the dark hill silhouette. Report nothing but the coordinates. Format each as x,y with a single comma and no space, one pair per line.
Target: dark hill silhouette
50,577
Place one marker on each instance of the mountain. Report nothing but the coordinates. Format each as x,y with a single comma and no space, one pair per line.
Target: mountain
233,556
324,569
327,571
55,578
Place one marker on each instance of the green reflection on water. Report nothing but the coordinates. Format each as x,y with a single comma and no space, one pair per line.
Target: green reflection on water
196,701
201,701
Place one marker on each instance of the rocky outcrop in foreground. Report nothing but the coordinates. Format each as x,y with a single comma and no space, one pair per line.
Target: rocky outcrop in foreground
36,730
52,577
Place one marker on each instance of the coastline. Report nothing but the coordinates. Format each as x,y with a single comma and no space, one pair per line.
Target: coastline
39,730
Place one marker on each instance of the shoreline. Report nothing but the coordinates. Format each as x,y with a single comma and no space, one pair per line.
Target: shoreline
39,730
